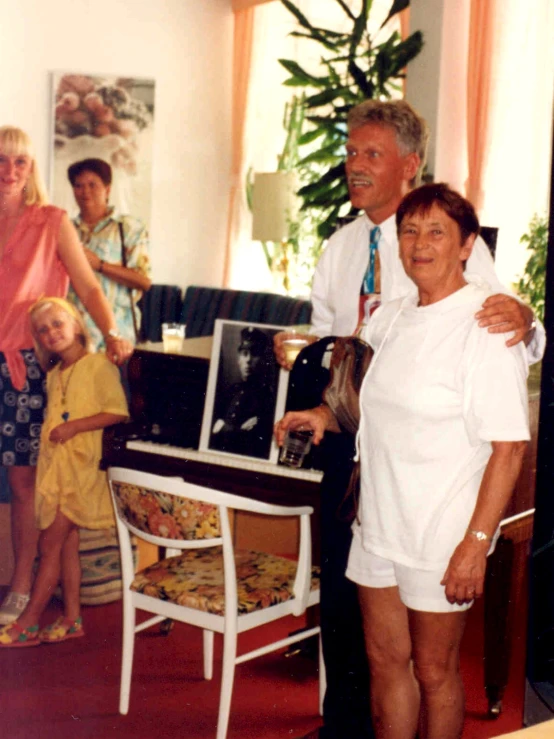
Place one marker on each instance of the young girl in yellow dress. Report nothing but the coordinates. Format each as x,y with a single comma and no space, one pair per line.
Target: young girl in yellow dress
84,396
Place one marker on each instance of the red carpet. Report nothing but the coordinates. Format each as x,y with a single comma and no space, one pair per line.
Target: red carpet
477,725
72,689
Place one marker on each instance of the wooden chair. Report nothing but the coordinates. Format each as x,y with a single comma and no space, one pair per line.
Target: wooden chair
204,581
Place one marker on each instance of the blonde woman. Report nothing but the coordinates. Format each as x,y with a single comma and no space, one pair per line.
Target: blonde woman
39,254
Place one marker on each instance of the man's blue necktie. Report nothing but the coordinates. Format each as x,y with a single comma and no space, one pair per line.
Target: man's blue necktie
368,285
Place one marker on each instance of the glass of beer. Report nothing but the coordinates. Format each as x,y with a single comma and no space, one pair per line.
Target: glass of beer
293,343
173,335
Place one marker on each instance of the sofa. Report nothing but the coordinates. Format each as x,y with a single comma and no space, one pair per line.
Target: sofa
199,308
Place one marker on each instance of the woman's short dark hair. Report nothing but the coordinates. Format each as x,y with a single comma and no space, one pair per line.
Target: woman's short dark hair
422,199
96,166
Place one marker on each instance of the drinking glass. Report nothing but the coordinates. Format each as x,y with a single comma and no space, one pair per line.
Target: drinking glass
293,343
173,335
296,445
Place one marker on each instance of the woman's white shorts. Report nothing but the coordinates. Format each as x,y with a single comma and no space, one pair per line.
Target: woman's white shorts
420,590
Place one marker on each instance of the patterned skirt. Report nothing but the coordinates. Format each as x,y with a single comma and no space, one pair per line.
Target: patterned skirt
21,413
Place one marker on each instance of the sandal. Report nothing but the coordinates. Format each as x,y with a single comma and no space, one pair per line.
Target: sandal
12,607
13,635
61,630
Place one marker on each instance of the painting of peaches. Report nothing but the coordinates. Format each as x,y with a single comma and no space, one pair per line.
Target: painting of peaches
109,118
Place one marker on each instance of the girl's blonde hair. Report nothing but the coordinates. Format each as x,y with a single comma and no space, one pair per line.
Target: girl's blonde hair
48,359
14,141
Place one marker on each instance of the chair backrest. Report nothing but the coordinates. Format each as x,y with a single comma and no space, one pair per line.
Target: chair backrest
173,513
162,513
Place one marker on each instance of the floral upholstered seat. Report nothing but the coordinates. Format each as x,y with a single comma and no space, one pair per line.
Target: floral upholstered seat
195,579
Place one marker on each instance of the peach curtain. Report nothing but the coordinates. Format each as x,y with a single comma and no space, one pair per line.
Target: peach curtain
479,83
404,17
245,4
242,57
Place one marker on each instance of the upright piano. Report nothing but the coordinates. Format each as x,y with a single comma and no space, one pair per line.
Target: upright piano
167,402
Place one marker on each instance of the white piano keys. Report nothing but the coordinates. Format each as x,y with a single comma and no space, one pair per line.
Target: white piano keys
224,460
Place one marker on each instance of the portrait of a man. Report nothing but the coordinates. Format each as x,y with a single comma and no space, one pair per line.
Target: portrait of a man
246,390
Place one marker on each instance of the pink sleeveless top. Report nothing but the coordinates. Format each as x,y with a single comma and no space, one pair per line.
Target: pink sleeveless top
30,269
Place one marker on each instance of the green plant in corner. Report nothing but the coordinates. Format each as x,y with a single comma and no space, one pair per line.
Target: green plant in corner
356,69
532,286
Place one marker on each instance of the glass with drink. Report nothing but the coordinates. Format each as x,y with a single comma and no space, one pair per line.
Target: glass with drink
296,445
292,344
173,335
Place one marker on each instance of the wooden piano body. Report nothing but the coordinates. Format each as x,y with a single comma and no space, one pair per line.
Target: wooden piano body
167,401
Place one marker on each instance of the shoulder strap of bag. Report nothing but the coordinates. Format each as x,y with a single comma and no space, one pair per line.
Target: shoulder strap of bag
124,263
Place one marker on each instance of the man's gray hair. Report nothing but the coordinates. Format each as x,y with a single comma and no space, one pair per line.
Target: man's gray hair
412,132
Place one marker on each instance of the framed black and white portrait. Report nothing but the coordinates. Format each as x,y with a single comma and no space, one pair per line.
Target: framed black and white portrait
246,391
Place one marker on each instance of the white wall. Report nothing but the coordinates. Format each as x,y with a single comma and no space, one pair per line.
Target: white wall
186,46
422,81
521,102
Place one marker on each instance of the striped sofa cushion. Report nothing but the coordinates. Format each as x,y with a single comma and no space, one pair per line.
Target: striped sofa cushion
202,305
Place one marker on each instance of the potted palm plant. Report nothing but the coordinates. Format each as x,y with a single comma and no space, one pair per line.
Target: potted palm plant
356,67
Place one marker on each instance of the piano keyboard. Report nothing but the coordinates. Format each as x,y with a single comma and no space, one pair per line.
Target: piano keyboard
224,460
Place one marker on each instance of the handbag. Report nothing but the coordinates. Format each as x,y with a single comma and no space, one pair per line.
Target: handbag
350,360
124,264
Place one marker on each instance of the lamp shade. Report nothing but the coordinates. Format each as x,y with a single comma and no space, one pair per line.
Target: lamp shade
273,205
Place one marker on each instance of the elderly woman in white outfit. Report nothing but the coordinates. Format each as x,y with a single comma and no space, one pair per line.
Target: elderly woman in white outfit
442,435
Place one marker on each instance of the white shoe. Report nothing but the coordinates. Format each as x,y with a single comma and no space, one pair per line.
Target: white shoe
14,604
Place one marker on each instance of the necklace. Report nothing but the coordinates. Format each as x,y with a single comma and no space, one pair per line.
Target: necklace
64,389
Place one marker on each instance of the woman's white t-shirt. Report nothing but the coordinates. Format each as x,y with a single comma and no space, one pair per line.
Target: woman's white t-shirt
438,392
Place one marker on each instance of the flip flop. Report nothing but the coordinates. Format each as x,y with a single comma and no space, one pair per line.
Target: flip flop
61,630
21,638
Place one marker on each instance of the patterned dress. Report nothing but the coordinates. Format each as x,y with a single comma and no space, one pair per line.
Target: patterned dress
105,241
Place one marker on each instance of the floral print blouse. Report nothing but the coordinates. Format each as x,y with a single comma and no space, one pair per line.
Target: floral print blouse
104,240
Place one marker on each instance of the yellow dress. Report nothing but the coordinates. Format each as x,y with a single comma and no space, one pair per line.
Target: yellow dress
68,475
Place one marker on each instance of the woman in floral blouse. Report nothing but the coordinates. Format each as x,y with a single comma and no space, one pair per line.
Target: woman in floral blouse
100,233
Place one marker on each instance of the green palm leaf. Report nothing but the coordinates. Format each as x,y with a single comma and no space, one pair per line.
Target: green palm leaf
351,70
